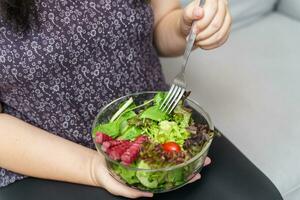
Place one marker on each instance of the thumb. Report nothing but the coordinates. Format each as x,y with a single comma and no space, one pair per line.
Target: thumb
192,12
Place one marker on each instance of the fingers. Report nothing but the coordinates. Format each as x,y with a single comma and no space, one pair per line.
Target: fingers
220,43
215,24
118,189
191,13
210,10
195,178
219,36
207,161
198,176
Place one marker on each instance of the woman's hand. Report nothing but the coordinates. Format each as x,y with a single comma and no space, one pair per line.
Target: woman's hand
213,23
102,178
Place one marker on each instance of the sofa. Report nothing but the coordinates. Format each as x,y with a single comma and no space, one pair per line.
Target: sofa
250,87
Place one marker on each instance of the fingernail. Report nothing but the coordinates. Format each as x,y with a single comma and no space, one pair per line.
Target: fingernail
207,161
196,177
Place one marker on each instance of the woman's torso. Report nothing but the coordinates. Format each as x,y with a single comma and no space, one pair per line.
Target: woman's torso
84,54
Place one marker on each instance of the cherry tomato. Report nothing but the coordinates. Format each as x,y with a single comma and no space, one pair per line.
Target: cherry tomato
171,146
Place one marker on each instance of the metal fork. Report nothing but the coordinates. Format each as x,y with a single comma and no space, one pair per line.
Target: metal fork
179,84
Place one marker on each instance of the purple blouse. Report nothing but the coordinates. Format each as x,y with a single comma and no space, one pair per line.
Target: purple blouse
84,54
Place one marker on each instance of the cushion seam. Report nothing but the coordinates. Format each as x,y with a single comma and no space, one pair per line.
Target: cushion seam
293,189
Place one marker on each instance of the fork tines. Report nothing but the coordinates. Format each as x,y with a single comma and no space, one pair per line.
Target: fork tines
173,97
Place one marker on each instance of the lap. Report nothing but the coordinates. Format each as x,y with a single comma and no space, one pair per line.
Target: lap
230,176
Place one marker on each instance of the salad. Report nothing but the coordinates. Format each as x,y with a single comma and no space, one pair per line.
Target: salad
142,138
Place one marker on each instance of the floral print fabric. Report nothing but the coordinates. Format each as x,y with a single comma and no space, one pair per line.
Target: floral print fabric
83,55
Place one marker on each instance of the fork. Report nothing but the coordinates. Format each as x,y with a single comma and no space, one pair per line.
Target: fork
179,84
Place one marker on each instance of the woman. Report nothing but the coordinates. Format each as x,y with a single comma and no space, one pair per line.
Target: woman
61,61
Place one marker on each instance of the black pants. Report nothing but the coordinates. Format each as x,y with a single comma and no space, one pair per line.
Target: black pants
231,176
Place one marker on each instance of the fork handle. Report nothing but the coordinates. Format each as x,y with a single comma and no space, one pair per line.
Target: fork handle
190,43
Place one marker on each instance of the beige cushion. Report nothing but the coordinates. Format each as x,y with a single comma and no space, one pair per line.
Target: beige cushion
246,11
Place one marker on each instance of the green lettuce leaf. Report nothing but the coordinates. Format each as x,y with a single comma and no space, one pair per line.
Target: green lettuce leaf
128,175
114,128
131,133
170,131
175,176
149,179
159,98
124,126
152,130
154,113
182,116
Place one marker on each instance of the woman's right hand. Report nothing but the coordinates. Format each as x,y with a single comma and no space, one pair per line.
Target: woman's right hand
103,179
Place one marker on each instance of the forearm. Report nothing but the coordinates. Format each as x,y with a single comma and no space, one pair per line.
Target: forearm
34,152
169,40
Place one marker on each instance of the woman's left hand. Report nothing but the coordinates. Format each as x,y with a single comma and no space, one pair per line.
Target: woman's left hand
213,23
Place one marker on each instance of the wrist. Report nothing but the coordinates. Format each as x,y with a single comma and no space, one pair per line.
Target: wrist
96,167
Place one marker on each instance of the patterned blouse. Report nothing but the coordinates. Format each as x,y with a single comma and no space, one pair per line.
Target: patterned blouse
84,54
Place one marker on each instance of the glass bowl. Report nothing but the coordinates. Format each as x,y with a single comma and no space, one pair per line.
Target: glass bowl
163,179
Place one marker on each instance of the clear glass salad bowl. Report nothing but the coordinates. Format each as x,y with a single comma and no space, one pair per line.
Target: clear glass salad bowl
158,180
